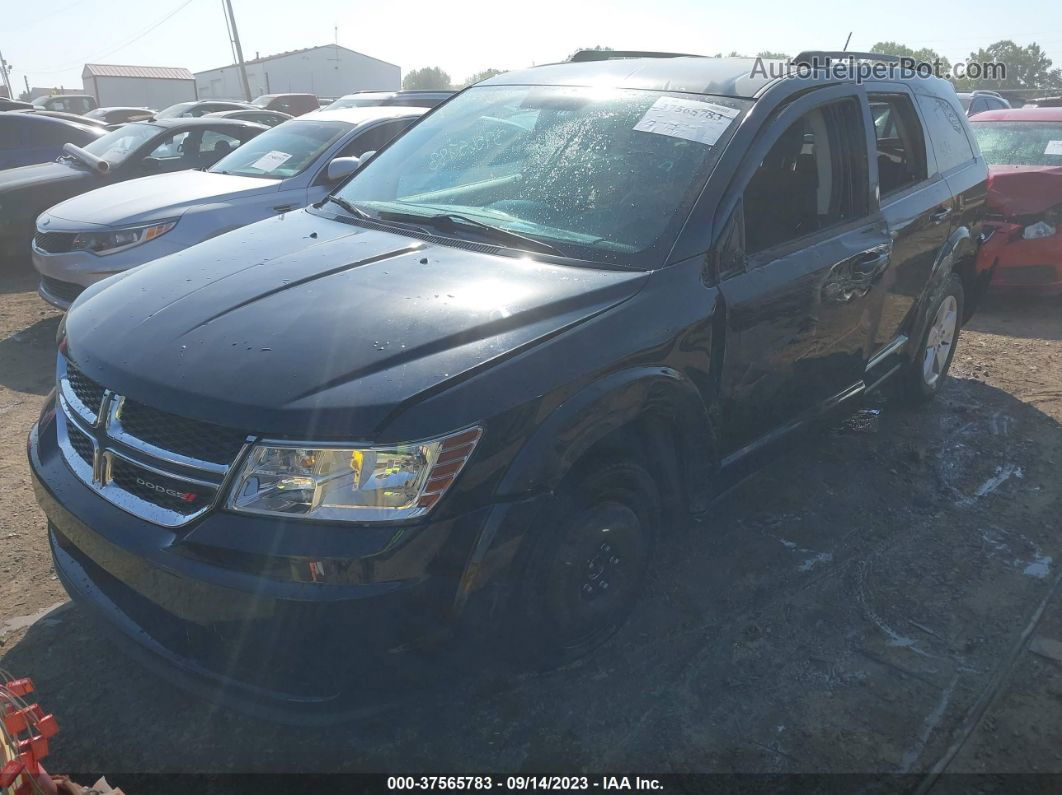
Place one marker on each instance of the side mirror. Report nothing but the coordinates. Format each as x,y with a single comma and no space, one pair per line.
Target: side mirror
342,167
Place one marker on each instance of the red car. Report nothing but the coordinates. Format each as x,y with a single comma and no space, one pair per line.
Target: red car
1023,147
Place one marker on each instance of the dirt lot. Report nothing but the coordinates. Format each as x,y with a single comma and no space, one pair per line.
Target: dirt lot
882,598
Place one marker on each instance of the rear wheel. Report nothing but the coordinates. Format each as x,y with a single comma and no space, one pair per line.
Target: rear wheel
586,569
929,364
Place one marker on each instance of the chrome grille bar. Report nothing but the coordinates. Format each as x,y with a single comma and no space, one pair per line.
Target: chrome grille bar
159,485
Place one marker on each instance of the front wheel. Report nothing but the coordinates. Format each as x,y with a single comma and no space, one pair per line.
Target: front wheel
587,565
929,363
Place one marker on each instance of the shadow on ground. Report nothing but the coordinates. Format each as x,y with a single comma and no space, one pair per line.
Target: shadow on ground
17,275
29,358
844,610
1019,316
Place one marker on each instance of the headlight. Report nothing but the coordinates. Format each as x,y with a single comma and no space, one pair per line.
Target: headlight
1046,226
1038,230
367,484
120,239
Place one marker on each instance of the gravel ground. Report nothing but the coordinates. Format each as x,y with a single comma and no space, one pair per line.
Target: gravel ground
881,598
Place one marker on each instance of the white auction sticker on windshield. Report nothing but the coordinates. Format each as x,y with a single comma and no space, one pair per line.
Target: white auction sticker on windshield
1053,148
691,119
271,160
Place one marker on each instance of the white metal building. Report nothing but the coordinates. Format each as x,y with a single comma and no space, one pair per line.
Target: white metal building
138,86
327,71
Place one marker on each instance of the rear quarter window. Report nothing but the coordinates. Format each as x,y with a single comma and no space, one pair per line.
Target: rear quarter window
946,132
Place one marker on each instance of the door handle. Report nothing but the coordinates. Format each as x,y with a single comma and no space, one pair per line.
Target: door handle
853,277
283,208
869,262
941,215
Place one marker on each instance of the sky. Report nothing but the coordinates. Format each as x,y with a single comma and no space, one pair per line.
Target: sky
49,41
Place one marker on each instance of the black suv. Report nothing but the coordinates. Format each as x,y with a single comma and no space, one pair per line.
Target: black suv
474,385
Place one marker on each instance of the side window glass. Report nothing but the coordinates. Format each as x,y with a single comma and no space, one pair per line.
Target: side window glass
901,150
946,131
814,177
173,147
978,105
215,145
373,140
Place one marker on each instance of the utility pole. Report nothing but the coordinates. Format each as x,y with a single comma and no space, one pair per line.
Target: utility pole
239,51
7,80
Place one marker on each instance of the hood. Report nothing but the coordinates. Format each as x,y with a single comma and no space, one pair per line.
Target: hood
157,196
305,326
1024,190
13,179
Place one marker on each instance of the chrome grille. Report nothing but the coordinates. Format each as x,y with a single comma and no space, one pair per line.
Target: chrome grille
87,391
170,493
158,466
187,437
81,444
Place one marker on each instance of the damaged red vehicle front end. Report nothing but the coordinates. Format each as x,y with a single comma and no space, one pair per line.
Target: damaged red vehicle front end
1023,249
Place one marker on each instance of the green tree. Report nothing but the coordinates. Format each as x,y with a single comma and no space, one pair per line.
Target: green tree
597,47
925,54
1026,68
486,74
427,79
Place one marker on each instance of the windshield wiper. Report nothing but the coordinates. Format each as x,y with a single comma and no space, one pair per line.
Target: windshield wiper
450,221
353,209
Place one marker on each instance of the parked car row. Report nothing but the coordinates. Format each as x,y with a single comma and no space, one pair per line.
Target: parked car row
466,377
25,142
131,151
111,229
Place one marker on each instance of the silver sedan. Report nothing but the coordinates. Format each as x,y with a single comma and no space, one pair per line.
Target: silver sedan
112,229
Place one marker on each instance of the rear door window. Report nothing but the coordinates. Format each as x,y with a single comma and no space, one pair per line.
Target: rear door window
947,132
814,177
901,150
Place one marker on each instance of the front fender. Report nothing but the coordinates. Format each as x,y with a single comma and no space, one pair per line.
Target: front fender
652,394
649,400
960,246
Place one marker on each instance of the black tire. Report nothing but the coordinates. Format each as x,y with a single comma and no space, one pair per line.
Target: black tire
585,570
917,383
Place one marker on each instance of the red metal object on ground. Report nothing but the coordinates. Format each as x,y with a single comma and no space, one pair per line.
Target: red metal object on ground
24,733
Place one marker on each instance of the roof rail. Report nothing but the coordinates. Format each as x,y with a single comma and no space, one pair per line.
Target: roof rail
824,57
611,55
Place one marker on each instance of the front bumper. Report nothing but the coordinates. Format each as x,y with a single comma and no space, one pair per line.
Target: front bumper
255,628
64,275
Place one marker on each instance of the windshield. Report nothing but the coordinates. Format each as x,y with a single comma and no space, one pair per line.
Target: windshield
284,151
262,101
114,147
173,111
605,175
1020,143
